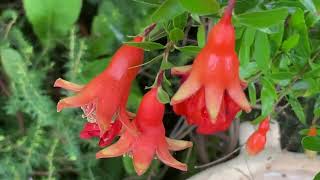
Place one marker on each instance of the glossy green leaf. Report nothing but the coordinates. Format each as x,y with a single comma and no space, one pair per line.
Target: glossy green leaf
262,51
297,108
163,96
263,19
311,143
268,97
310,6
201,36
281,75
51,19
180,21
298,23
176,34
201,7
149,46
191,50
248,70
290,43
245,49
168,10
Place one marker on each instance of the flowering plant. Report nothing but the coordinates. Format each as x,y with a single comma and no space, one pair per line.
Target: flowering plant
147,85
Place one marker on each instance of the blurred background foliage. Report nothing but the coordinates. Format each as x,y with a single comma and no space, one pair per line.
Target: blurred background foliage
42,40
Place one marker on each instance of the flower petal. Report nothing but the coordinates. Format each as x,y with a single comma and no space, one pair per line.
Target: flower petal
181,70
143,153
67,85
178,145
106,109
236,93
78,100
117,149
187,89
213,98
165,156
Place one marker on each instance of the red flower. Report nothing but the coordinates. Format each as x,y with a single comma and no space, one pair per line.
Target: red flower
92,130
150,140
194,108
105,97
257,141
215,71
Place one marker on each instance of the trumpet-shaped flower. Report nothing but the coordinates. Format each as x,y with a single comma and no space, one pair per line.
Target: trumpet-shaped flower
195,111
105,96
215,72
150,141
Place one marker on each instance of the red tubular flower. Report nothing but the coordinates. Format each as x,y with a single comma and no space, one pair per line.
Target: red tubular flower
105,97
150,140
215,71
92,130
194,108
257,141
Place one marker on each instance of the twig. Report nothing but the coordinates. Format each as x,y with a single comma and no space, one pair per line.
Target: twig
218,160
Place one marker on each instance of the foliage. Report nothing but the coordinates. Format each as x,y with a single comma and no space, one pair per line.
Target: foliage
278,44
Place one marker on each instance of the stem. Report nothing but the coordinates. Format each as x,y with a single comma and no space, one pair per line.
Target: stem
149,29
228,11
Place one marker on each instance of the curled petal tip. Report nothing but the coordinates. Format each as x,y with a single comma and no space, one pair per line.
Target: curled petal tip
60,105
56,83
140,168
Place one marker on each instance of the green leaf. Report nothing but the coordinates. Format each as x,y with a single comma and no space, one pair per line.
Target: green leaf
281,75
12,63
201,36
168,10
317,177
191,50
268,97
316,109
290,43
252,93
309,5
245,49
248,70
166,65
311,143
176,34
163,96
52,19
297,108
262,51
128,165
149,46
298,24
180,21
248,36
263,19
201,7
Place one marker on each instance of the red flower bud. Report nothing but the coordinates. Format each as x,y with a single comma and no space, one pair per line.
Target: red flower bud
257,141
150,141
